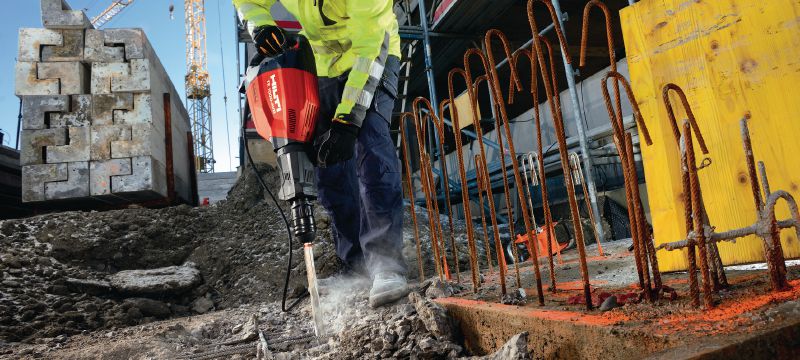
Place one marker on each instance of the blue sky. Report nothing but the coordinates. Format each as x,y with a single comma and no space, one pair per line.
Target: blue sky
167,37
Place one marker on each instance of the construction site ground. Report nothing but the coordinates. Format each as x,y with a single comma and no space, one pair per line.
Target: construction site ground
63,296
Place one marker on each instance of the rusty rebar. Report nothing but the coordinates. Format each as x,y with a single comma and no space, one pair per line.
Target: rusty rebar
411,197
514,163
559,125
638,223
628,171
439,123
612,56
697,205
780,283
468,80
498,246
433,215
481,187
548,217
691,256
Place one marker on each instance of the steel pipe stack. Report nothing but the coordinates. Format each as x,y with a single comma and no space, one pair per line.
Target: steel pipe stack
101,118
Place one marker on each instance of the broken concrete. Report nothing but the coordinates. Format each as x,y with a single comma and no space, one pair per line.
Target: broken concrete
167,280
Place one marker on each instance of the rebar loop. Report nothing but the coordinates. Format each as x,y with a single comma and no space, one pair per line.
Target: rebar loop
560,133
577,172
468,80
499,99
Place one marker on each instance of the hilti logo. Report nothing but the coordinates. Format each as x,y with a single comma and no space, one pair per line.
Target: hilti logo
274,100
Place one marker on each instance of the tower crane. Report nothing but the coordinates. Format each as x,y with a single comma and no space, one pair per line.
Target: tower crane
110,12
198,86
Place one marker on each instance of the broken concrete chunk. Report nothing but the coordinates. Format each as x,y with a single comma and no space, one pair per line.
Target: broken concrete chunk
75,186
172,279
92,287
433,316
515,349
71,49
57,14
31,41
36,108
202,305
27,82
149,307
79,113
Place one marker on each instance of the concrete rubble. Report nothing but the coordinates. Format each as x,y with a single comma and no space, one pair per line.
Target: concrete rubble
101,118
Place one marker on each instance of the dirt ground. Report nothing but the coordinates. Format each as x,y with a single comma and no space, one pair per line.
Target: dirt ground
58,297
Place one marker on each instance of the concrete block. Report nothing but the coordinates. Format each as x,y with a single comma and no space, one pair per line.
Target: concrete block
144,141
101,138
121,77
115,45
147,175
100,173
71,76
75,186
31,41
79,113
97,51
57,14
34,178
141,113
35,109
33,142
27,81
71,49
76,148
106,106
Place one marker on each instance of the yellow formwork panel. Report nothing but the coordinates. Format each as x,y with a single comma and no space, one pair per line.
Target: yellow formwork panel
733,58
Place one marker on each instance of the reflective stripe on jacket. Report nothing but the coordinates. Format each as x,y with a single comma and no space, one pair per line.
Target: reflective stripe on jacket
346,35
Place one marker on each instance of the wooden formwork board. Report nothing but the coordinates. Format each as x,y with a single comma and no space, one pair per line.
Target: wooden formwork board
733,58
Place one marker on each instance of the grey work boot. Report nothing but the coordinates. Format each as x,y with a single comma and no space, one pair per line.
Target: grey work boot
387,287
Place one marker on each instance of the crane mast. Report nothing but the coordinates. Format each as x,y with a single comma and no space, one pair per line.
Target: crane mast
198,87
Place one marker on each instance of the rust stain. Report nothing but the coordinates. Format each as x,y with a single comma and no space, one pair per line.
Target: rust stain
661,25
748,66
793,186
742,177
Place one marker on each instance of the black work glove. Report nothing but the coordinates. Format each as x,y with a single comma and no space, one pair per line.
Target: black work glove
336,145
270,40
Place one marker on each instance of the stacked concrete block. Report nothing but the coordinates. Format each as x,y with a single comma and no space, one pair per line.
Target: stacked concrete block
101,118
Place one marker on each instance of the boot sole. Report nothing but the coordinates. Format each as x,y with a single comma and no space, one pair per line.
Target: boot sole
386,297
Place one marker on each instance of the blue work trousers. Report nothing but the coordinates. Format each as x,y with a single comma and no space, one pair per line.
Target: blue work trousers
364,195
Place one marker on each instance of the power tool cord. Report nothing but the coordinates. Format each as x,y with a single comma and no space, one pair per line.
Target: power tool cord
283,215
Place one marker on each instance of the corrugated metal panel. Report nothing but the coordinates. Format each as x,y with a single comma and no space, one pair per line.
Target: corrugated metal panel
733,57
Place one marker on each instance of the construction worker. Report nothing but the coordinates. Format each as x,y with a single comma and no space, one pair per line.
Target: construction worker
357,47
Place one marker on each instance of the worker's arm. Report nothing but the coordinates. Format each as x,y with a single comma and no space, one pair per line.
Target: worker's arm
256,12
370,44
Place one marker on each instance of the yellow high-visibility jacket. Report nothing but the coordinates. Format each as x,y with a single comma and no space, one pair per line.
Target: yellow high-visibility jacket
346,35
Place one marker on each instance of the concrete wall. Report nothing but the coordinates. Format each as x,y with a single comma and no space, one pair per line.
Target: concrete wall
95,114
